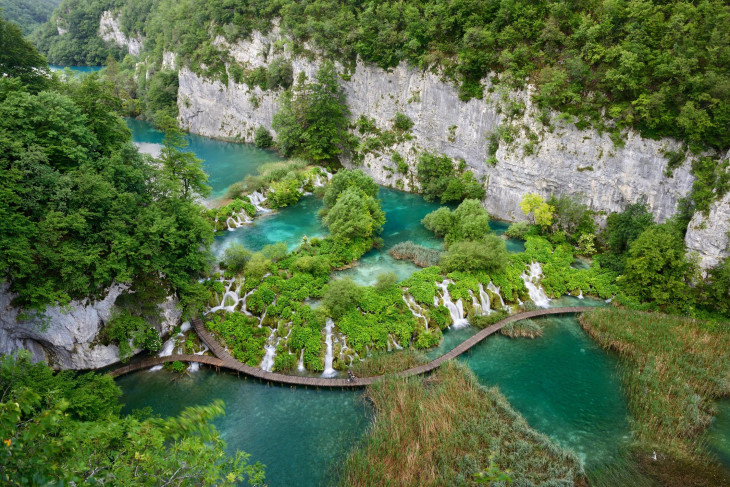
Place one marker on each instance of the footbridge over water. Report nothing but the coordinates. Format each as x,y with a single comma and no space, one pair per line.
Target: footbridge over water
223,359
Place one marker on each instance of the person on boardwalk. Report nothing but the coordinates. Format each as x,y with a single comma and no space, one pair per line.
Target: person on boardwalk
351,376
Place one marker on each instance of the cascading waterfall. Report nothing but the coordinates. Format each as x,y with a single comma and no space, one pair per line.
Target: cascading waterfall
300,365
236,221
416,310
537,295
243,303
580,295
231,299
484,300
267,363
329,354
496,290
195,366
257,200
456,310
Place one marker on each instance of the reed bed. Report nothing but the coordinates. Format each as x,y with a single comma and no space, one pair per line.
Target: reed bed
381,363
673,369
442,430
522,329
418,254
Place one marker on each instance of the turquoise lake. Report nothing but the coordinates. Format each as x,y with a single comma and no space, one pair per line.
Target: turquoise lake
562,383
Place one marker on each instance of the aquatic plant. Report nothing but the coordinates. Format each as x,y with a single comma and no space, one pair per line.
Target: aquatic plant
443,430
418,254
381,363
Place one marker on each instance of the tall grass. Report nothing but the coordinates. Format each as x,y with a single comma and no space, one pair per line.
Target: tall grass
441,431
381,363
418,254
673,368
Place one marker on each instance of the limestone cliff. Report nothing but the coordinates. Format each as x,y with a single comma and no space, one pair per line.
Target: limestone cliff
553,158
68,337
110,31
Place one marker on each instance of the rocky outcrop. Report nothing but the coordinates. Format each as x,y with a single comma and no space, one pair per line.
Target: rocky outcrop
709,234
68,337
110,31
547,158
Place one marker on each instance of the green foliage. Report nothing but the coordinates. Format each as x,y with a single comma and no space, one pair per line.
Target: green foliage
219,216
81,208
64,429
241,335
18,58
400,163
235,258
262,138
402,122
124,328
488,254
341,296
386,281
355,215
571,216
517,230
712,181
184,170
716,290
28,15
657,268
439,179
312,118
535,207
469,221
343,180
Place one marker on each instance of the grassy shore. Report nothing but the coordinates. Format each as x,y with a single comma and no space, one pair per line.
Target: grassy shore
444,429
674,368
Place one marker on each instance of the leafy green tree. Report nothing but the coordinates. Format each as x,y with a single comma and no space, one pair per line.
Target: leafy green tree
235,258
355,215
58,429
469,221
340,296
534,206
262,138
182,167
343,180
18,58
625,227
657,268
312,119
488,254
716,288
386,281
439,179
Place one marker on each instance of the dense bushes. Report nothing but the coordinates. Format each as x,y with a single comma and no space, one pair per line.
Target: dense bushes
313,117
439,179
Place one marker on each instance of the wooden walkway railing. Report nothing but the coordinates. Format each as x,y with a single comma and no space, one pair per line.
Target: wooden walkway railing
224,359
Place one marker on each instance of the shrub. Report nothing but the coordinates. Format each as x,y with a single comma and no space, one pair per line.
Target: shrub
341,295
262,138
402,122
488,254
469,221
235,258
518,230
386,281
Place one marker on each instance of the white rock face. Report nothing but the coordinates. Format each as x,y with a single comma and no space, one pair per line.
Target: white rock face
709,235
564,159
110,31
68,339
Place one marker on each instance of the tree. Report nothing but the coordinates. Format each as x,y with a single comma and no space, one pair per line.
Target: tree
355,215
343,180
717,287
657,269
341,296
625,227
488,254
58,429
262,138
535,205
469,221
312,119
236,257
19,59
182,167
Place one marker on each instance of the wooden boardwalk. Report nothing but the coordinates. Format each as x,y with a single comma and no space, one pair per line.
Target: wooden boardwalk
225,360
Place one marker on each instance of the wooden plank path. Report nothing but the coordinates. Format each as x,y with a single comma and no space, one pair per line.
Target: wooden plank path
225,360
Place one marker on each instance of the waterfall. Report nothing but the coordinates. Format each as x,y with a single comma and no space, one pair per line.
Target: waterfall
456,310
329,371
498,292
580,295
243,303
195,366
300,366
537,295
267,363
257,199
486,304
236,221
232,297
416,310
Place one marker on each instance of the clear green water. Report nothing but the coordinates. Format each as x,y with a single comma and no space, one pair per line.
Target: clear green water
718,437
225,162
299,434
76,69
